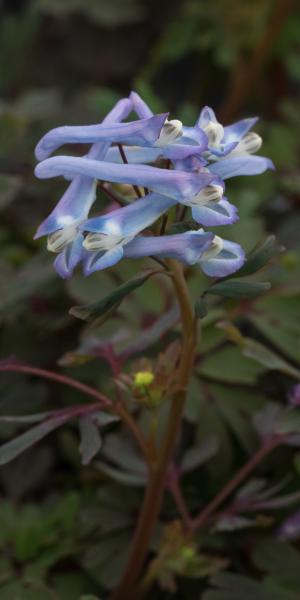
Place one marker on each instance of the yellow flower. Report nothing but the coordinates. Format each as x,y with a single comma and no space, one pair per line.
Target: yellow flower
143,379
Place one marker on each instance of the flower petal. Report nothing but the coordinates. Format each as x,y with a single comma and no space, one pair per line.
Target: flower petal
235,132
71,255
131,219
230,259
96,261
72,208
241,165
186,247
134,154
142,132
139,106
215,213
75,203
175,184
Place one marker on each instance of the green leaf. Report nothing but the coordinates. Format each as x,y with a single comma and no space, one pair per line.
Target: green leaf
277,318
200,308
259,256
268,358
228,364
234,288
236,587
98,312
90,439
280,559
289,421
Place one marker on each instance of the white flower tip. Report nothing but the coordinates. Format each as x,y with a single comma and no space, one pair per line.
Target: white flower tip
252,142
210,193
100,241
170,132
249,144
215,248
59,239
214,132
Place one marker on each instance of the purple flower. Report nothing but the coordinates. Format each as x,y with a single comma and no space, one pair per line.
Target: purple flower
110,233
179,185
142,133
62,225
216,257
186,247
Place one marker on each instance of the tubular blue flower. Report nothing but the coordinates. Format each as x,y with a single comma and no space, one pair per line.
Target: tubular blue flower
213,213
222,258
215,256
179,185
62,225
110,233
186,247
241,165
142,133
175,147
221,140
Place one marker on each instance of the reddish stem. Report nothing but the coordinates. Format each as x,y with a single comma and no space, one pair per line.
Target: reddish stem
175,489
241,475
124,159
105,402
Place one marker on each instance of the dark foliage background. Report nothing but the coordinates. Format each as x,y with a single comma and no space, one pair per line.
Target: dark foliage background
65,528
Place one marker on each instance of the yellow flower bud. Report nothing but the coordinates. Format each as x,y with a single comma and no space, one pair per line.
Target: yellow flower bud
143,379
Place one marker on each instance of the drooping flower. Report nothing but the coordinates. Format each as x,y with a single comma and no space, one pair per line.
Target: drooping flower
215,256
186,247
109,234
62,225
142,133
179,185
199,159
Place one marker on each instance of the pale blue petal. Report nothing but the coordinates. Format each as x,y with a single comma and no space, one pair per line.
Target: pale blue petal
241,165
230,259
96,261
215,213
131,219
138,155
72,208
207,114
235,132
134,154
193,135
191,163
80,194
71,255
186,247
181,151
142,132
175,184
139,106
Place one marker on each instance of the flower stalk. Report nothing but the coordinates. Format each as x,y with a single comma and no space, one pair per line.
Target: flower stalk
127,587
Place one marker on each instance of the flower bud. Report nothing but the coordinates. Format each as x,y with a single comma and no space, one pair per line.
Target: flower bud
170,132
215,133
101,241
215,248
210,193
143,379
249,144
59,239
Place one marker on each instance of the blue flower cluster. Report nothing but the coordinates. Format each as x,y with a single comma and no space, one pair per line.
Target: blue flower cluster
195,161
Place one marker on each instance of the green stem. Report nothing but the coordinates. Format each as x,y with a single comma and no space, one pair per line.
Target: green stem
158,472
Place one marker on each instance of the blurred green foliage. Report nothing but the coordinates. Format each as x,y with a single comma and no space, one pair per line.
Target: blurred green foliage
65,528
